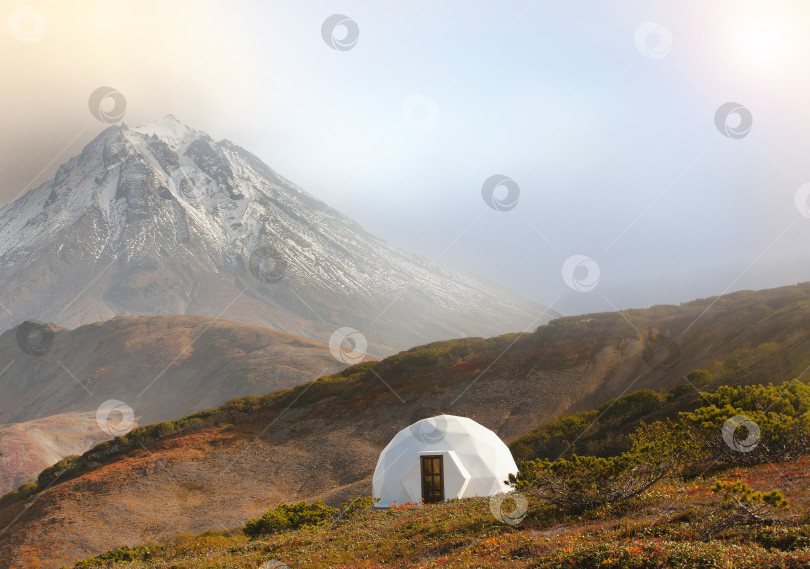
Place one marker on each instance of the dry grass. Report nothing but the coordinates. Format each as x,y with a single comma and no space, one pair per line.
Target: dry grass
664,528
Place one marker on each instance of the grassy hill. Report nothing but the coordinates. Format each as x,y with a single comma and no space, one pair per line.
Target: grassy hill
662,529
682,521
216,469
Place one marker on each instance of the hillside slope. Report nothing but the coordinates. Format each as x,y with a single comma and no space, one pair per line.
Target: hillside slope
322,439
28,448
163,367
664,528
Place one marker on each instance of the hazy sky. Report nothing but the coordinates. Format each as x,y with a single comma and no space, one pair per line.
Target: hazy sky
603,114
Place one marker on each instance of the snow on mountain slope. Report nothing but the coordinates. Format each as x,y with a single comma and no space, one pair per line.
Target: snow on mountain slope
162,219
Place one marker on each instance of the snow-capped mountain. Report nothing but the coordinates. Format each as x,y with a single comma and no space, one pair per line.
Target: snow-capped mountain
162,219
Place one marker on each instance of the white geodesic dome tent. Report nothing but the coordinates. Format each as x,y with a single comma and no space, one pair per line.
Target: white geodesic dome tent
441,458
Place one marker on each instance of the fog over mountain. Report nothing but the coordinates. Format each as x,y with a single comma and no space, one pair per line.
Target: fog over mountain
605,119
161,219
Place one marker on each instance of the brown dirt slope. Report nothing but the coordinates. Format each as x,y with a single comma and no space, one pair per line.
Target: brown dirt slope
164,367
28,448
322,439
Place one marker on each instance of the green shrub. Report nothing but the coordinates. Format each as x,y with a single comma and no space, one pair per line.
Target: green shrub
739,494
781,414
123,554
22,492
302,515
53,472
550,440
356,507
585,482
630,407
595,433
700,377
744,506
290,517
790,398
783,537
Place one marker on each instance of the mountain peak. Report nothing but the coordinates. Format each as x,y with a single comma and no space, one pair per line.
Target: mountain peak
162,219
169,129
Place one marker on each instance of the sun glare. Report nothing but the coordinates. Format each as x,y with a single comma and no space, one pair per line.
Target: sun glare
767,41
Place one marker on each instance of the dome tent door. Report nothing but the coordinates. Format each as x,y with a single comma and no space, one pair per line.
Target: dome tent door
432,479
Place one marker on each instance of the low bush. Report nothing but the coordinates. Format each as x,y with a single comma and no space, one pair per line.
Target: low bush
53,472
602,432
776,424
302,515
585,482
355,507
124,554
783,538
627,408
289,517
552,439
742,505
